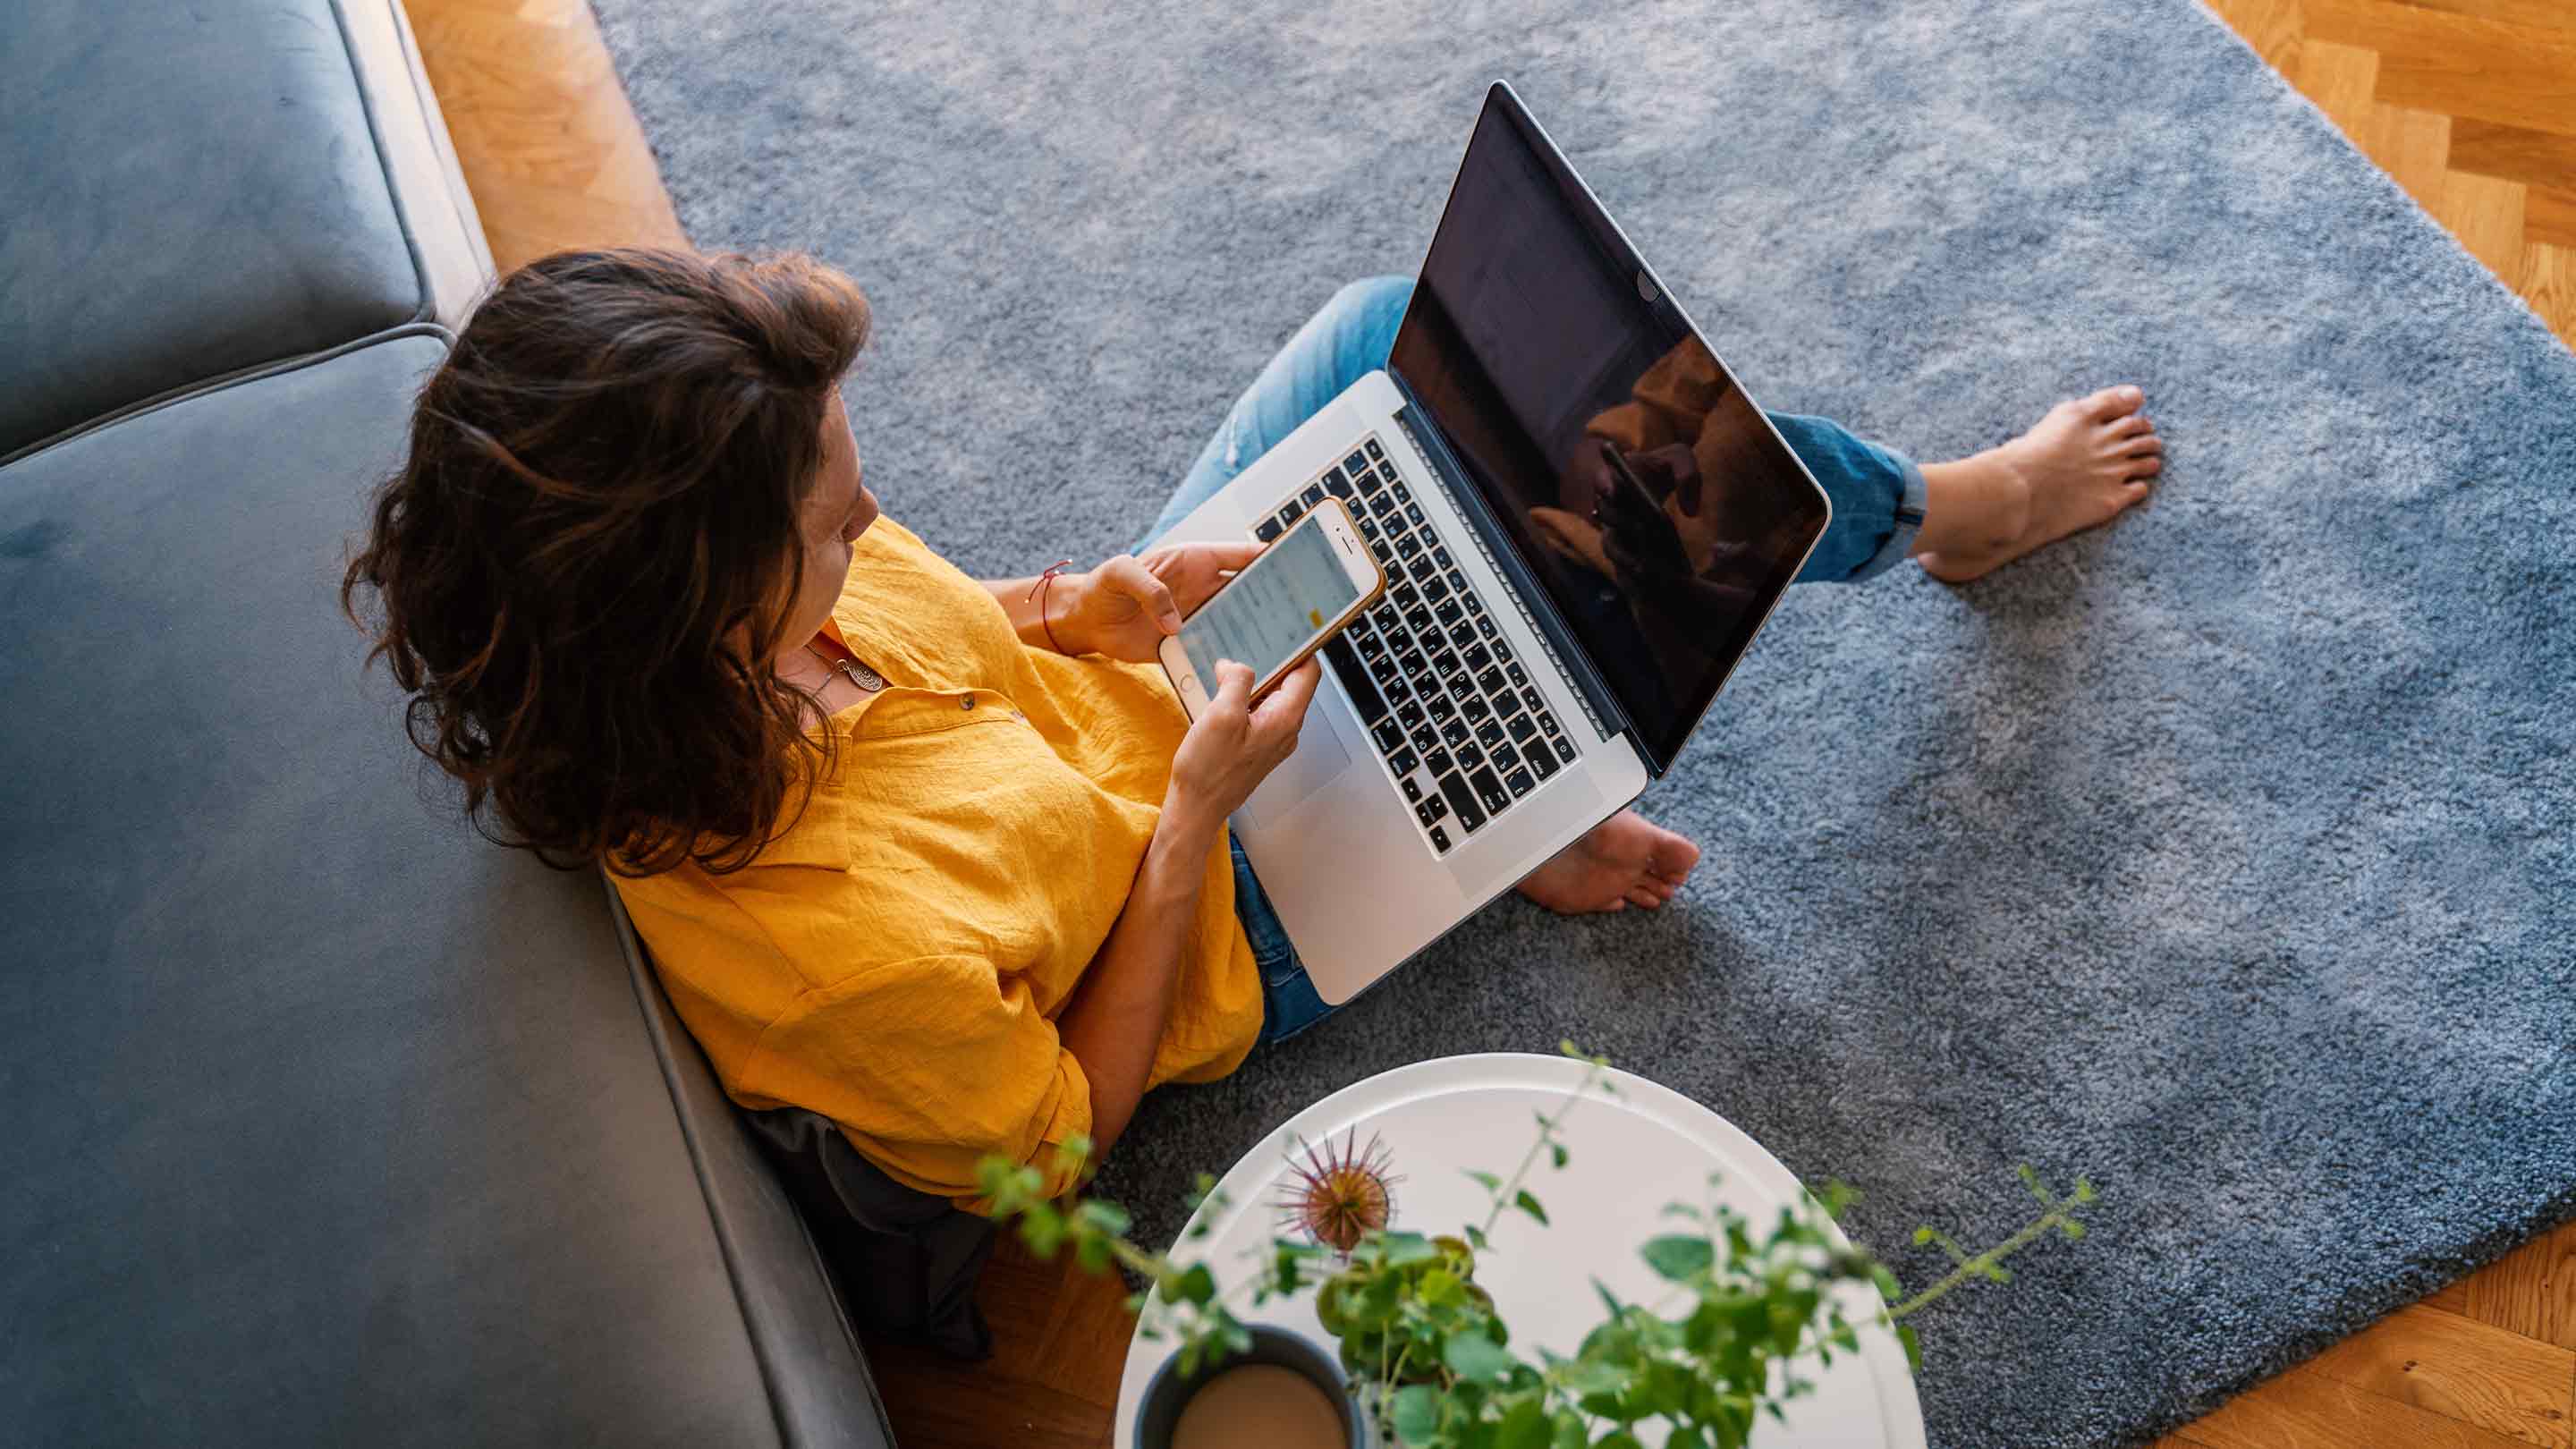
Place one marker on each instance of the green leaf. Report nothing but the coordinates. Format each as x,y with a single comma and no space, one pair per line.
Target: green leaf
1556,1151
1886,1281
1440,1286
1487,1180
1529,1204
1476,1237
1677,1258
1417,1413
1524,1426
1196,1285
1471,1355
1618,1439
1566,1047
1092,1253
1106,1218
1922,1236
1042,1228
1913,1347
1073,1152
1401,1250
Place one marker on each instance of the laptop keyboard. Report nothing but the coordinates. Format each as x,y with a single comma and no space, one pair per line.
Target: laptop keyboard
1462,731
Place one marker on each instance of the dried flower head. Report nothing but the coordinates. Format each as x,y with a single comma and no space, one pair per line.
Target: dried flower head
1338,1194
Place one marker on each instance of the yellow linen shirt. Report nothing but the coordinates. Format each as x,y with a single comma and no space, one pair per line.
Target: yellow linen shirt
896,961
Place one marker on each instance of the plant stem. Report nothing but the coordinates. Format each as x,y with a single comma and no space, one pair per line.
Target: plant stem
1975,1267
1529,1159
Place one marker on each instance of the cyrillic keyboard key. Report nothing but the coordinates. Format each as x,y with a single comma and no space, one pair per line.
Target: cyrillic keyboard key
1523,727
1543,760
1463,802
1439,840
1489,791
1268,529
1389,738
1313,495
1365,700
1437,762
1519,783
1356,461
1488,734
1565,749
1374,450
1404,762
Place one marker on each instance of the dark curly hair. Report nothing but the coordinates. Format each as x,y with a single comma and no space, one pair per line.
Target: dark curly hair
591,544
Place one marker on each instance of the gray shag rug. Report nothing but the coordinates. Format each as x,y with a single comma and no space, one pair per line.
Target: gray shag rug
2224,856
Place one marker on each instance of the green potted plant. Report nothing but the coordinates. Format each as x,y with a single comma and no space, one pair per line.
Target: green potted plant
1429,1364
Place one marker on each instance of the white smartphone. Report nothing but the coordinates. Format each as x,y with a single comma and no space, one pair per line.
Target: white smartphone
1284,605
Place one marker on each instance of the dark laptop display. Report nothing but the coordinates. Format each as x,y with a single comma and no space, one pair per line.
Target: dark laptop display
1657,507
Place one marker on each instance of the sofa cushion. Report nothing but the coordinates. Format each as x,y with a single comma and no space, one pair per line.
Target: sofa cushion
190,190
328,1121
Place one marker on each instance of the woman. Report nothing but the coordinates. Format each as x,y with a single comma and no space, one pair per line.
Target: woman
940,860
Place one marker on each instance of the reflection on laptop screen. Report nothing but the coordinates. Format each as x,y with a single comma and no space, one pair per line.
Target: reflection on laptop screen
1659,510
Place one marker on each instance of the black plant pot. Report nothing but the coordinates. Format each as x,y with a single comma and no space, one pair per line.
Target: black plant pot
1170,1389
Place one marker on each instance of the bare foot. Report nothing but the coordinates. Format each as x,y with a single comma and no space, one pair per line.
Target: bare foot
2078,468
1626,860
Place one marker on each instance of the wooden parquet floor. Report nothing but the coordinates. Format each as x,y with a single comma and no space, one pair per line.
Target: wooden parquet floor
2469,104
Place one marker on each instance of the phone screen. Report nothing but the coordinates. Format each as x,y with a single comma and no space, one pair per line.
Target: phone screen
1272,609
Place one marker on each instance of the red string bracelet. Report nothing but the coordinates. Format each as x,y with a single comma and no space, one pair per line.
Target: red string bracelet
1039,593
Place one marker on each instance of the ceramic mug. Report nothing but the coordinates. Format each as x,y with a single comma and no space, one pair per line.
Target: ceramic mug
1169,1390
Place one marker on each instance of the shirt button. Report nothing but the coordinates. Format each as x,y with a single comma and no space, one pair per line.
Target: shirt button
968,701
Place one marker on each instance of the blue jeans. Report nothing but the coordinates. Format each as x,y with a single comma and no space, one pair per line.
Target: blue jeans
1877,495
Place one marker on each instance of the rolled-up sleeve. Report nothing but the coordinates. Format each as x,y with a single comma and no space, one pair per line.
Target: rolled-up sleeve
930,1065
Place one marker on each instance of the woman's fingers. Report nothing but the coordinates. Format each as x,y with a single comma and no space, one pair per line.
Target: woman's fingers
1285,710
1233,687
1228,557
1151,594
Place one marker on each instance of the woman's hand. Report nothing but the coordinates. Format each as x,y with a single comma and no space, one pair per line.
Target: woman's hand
1235,744
1126,606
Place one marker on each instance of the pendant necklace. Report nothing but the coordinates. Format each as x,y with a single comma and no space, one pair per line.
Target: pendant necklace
868,680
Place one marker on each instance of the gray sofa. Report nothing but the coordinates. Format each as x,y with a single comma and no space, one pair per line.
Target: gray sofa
326,1122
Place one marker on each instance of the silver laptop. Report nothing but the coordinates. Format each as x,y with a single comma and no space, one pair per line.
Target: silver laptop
1574,568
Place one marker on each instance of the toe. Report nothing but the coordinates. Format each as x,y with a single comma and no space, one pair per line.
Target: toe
1644,896
2111,402
2129,425
2148,446
2147,467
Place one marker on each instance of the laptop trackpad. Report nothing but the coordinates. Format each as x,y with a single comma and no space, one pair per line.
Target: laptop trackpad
1319,759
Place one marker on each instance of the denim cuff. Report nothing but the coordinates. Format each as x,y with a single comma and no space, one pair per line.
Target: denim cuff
1909,522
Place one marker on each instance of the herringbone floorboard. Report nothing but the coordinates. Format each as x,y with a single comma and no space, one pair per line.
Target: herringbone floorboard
2470,104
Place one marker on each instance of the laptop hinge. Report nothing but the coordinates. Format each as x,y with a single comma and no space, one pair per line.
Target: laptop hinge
1599,703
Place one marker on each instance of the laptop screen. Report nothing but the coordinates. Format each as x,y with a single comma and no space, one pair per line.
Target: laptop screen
1655,504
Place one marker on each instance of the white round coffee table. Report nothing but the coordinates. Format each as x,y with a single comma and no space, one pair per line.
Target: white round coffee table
1632,1153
